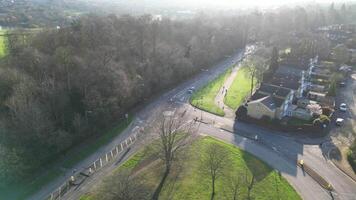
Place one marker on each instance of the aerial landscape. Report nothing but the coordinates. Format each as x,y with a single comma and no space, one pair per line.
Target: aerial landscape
177,100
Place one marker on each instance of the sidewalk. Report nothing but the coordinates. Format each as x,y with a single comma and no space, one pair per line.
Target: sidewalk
219,99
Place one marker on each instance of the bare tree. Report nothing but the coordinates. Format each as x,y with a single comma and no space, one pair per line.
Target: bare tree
174,134
213,163
234,187
250,182
124,187
256,67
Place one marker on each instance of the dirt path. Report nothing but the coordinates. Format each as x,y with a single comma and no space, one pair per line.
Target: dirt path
219,99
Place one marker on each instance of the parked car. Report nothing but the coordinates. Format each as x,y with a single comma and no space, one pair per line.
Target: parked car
342,84
343,107
339,121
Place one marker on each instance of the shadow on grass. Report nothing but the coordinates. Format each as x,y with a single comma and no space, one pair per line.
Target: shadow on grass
257,168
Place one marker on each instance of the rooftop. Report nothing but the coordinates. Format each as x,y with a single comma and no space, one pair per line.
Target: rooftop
271,102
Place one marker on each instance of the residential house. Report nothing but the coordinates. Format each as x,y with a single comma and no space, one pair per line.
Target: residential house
270,100
290,77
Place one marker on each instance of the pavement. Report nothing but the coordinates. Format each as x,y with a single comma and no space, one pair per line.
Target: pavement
219,99
280,150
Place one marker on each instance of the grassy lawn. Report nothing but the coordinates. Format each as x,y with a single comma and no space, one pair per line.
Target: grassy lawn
204,98
188,181
2,43
239,89
25,189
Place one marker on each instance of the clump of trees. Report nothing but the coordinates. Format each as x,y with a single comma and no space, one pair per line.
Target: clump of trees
59,87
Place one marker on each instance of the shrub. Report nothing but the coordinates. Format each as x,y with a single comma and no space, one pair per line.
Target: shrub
323,119
327,111
351,156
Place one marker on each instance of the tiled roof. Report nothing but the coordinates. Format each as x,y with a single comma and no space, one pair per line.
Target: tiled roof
274,90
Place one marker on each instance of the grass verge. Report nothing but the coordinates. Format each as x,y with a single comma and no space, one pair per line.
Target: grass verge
27,188
204,98
188,181
239,90
351,156
2,44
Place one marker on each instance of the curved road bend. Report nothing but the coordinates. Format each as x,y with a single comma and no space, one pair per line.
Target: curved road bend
291,148
142,117
302,183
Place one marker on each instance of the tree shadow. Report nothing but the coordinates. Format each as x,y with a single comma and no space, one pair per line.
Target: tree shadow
276,149
258,169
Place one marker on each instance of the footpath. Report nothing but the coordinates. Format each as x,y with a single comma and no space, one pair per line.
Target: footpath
219,99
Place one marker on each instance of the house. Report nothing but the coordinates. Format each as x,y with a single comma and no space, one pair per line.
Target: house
321,98
271,101
292,77
306,109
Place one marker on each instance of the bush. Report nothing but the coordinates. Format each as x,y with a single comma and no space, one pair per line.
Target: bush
241,112
351,156
323,119
327,111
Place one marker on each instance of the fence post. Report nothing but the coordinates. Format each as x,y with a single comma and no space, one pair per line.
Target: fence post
121,146
106,157
101,162
130,140
112,155
94,165
117,150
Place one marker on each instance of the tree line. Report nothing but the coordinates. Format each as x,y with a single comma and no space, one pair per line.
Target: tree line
59,87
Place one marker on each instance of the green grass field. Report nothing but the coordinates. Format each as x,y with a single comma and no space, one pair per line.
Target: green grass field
26,188
204,98
187,181
2,43
239,89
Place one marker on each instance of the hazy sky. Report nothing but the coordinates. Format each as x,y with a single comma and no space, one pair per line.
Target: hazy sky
262,3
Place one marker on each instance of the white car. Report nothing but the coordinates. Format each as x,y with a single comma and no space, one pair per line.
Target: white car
191,90
343,107
339,121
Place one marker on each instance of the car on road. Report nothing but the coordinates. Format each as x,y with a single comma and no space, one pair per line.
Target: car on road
343,107
191,90
339,121
342,84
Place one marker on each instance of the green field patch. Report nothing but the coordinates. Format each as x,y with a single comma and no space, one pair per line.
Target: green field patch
239,89
204,98
188,181
2,43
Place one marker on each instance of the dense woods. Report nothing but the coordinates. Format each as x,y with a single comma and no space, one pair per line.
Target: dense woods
61,86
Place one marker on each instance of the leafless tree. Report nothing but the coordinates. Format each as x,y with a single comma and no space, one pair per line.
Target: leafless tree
234,187
250,182
123,187
256,67
214,161
174,133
